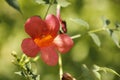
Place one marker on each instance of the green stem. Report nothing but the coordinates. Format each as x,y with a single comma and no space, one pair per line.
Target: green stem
96,30
92,31
25,72
60,66
76,36
48,8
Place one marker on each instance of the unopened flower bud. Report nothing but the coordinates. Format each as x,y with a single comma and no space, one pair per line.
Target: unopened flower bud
64,28
67,76
14,54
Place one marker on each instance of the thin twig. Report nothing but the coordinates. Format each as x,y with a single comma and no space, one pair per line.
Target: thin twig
60,66
76,36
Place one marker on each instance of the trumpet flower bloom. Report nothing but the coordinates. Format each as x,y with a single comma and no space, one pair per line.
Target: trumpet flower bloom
44,38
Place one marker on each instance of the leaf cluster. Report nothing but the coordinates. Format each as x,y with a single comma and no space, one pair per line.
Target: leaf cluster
24,65
92,33
16,3
96,72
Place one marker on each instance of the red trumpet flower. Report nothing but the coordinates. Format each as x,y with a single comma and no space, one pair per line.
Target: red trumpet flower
45,39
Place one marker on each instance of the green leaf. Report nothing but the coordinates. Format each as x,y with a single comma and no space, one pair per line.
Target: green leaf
105,69
117,25
95,39
20,73
40,1
63,3
96,68
14,54
86,73
109,70
38,77
97,74
80,22
28,65
14,4
23,58
30,8
116,39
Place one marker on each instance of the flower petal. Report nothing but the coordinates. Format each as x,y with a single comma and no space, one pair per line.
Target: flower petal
63,43
49,55
53,24
29,47
35,27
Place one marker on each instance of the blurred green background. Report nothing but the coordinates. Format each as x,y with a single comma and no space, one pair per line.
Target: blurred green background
85,51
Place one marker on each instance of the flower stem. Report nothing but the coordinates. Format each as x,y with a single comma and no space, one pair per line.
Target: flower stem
76,36
91,31
97,30
58,11
60,66
52,1
47,10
